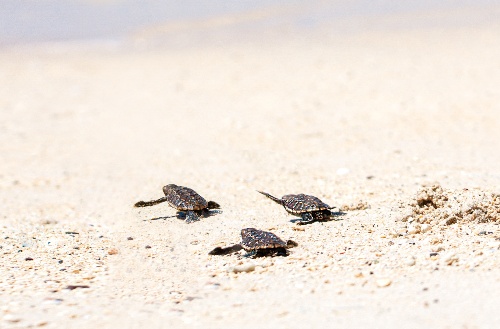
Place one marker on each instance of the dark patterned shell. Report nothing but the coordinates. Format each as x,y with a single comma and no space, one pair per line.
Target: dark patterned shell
184,198
301,203
253,239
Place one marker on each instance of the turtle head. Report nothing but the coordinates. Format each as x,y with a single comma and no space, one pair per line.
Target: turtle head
213,205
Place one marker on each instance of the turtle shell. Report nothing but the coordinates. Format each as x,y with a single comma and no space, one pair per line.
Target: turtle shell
301,203
253,239
184,198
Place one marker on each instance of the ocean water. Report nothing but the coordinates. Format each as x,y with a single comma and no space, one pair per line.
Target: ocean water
35,21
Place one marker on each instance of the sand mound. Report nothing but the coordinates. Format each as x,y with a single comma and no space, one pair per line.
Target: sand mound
434,205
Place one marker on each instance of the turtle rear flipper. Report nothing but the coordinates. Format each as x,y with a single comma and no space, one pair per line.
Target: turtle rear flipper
251,254
150,203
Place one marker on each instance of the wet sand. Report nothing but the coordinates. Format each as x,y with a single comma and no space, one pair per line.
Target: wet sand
367,118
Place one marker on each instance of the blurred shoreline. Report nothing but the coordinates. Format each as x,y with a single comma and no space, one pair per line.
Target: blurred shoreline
159,23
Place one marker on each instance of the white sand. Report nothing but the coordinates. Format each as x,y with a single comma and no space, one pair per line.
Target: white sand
85,134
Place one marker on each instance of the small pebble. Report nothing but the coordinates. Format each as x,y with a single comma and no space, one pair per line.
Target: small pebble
437,248
450,258
112,251
130,238
410,261
413,229
381,283
11,318
425,228
342,171
248,267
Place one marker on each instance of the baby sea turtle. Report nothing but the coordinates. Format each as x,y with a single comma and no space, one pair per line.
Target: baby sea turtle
308,207
258,243
185,200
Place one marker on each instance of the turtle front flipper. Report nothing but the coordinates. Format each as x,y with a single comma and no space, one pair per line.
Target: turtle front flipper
150,203
191,216
322,215
306,218
207,212
251,254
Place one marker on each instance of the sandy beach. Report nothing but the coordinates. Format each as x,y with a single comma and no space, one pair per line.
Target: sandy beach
397,127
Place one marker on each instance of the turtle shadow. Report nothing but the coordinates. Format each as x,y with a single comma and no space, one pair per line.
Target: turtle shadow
272,252
219,251
203,214
182,215
335,216
267,252
161,217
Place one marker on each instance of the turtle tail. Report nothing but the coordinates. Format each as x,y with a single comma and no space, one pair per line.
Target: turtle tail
275,199
150,203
